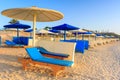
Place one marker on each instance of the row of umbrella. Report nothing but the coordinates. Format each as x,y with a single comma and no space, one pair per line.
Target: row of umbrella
36,14
56,29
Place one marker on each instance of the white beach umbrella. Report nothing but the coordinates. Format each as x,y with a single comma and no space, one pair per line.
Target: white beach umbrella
78,31
44,31
93,34
33,14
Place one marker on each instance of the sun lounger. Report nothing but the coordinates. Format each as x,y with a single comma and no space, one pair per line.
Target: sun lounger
36,58
7,42
12,44
52,54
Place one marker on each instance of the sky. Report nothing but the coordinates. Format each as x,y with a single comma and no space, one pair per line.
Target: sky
100,15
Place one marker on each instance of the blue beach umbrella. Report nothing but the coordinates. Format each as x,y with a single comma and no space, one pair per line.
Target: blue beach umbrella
65,27
82,33
76,32
18,26
89,33
96,35
55,31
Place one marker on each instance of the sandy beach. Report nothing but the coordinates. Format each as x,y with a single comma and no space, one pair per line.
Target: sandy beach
100,63
60,40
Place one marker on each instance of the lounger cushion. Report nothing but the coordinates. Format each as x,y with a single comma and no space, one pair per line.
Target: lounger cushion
9,42
44,51
36,55
33,53
55,61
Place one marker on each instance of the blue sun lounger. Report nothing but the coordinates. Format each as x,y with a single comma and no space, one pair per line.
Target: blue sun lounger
37,58
12,44
44,51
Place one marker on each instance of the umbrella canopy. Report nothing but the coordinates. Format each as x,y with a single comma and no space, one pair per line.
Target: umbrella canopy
42,31
65,27
55,31
79,30
82,32
97,34
33,14
43,15
17,26
88,33
93,34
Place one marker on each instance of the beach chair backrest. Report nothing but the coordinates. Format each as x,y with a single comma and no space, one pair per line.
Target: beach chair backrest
34,53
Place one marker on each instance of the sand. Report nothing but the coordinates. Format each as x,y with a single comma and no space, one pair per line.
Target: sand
100,63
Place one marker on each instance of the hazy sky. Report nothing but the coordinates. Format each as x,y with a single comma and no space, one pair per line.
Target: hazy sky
102,15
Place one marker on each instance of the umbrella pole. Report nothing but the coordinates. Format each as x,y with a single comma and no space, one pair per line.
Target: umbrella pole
34,26
82,36
18,35
30,35
76,36
64,34
17,32
95,37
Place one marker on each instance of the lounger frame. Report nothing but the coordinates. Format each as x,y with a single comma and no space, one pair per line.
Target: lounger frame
56,69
